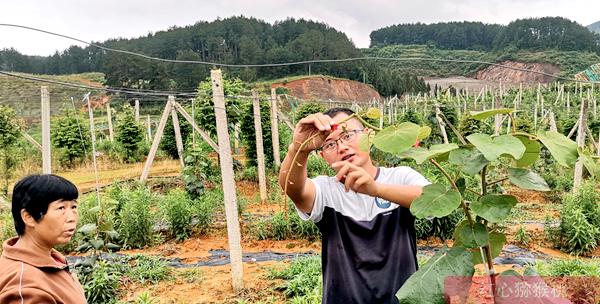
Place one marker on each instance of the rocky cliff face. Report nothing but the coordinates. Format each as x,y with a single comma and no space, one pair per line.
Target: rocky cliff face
507,75
325,88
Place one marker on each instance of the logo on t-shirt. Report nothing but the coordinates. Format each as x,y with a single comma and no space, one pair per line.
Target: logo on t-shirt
383,204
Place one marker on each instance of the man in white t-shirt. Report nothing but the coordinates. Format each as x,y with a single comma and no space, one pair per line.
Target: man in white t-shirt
368,235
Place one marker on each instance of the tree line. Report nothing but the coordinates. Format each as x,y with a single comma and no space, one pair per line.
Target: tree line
547,33
235,40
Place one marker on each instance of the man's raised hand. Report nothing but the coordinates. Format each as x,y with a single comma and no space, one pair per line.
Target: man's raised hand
355,178
309,126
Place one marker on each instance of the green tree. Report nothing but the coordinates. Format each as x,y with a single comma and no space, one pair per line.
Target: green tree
130,134
69,137
9,133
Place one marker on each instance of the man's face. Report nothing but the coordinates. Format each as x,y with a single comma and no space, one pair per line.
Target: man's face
342,144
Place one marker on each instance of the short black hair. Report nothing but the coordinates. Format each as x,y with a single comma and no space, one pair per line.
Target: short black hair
35,192
335,111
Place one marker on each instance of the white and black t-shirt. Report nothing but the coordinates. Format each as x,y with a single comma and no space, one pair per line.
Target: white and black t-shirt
369,244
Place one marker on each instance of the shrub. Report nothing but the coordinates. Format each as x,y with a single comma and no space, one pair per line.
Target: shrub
9,134
572,267
130,135
316,166
438,227
100,281
469,125
522,237
579,220
70,137
177,208
204,209
198,170
135,218
249,173
168,141
145,269
7,227
96,226
247,133
278,228
303,280
308,108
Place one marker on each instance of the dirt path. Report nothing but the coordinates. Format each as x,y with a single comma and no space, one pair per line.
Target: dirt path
85,179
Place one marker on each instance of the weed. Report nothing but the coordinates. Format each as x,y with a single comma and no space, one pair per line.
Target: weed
579,220
303,280
573,267
522,237
100,282
178,211
136,220
145,269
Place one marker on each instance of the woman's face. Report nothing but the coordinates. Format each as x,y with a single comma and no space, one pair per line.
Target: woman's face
58,225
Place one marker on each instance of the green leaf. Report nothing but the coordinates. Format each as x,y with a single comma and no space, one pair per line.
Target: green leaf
420,155
97,244
590,163
397,139
492,148
482,115
527,179
471,236
113,235
427,285
94,209
373,113
562,149
470,160
493,207
510,272
436,201
497,241
424,132
113,247
532,151
365,141
87,229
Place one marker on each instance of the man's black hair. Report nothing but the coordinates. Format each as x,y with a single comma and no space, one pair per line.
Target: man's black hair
335,111
35,192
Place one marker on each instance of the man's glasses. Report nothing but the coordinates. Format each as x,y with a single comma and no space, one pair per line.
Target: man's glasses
346,137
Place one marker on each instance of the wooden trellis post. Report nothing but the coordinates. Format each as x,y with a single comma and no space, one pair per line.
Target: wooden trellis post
157,137
553,122
111,135
260,153
137,110
149,127
275,128
46,156
226,162
441,123
178,140
578,174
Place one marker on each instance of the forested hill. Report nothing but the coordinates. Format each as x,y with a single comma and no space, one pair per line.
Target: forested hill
235,40
594,27
539,34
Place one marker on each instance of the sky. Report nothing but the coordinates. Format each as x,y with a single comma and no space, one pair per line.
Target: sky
105,19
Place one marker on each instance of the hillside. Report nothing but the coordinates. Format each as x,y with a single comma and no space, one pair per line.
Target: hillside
24,95
568,62
328,88
594,27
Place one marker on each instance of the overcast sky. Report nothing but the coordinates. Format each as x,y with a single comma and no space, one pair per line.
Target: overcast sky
104,19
